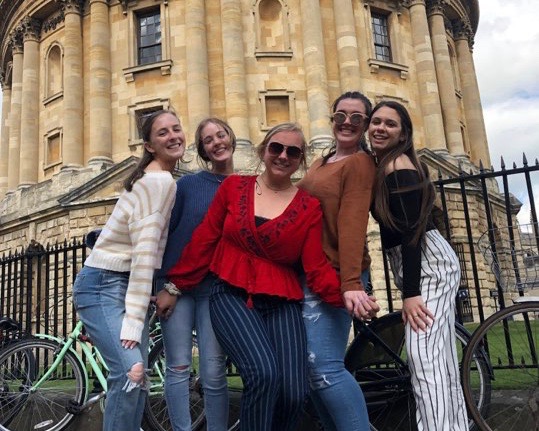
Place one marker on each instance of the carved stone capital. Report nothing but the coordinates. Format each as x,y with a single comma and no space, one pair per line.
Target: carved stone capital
31,28
435,7
410,3
463,30
52,22
74,6
16,40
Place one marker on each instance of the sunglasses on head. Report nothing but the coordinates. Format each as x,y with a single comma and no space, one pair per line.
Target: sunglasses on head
356,118
276,149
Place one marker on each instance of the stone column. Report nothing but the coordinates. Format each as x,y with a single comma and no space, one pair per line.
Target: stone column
4,143
196,52
429,97
72,144
15,111
29,157
100,130
347,45
475,123
444,74
315,74
236,99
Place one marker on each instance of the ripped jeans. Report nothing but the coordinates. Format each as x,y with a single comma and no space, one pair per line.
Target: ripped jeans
335,393
99,297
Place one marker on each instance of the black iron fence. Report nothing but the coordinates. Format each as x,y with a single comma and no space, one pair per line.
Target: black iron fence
36,282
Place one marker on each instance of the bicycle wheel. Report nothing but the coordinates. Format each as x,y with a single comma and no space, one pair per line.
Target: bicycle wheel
377,359
509,337
24,405
155,410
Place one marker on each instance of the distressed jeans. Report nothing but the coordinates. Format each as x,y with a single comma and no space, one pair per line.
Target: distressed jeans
335,393
99,297
193,311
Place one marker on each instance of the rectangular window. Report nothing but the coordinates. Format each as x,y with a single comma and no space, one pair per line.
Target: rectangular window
149,37
382,48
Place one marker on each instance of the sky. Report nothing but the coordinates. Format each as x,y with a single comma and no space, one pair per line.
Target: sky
506,57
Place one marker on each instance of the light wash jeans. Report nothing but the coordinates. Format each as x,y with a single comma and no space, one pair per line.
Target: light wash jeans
335,393
192,311
99,297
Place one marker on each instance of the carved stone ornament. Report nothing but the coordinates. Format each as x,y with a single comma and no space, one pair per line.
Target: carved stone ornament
16,39
52,22
72,5
435,7
31,28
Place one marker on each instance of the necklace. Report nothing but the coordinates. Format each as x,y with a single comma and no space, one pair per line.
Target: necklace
272,188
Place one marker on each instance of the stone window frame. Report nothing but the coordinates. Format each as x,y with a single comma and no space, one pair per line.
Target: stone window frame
259,51
267,94
47,138
135,113
59,94
392,14
132,11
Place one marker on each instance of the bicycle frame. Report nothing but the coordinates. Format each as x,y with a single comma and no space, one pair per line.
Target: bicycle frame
91,352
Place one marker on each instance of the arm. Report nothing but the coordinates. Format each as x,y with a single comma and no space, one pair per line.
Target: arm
353,218
321,276
153,202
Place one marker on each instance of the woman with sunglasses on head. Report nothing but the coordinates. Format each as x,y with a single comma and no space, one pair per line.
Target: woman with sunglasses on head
112,291
215,143
256,230
342,181
425,269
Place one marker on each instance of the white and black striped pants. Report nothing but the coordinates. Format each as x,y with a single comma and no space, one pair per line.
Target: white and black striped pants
432,354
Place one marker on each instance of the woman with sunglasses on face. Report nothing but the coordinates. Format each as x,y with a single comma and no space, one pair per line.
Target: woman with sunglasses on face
112,291
215,142
342,181
425,269
256,230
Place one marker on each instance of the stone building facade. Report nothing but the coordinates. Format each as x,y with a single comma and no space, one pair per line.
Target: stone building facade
77,76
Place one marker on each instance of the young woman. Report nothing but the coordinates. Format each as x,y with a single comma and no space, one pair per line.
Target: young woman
256,230
112,291
215,142
342,181
424,265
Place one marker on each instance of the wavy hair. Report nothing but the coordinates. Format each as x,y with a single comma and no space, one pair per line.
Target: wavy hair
202,158
381,191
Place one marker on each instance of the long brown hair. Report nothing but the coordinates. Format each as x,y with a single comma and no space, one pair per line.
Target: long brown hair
147,157
362,144
381,191
203,159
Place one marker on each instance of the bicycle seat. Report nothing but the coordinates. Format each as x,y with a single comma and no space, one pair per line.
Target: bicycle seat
7,324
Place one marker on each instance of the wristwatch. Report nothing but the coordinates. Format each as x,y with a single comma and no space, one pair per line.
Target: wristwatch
172,289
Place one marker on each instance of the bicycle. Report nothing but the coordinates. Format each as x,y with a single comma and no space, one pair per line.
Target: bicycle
377,359
509,336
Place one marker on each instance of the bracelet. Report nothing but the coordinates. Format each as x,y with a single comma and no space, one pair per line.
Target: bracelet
172,289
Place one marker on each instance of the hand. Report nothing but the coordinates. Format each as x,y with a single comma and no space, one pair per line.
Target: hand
129,344
165,304
359,304
416,312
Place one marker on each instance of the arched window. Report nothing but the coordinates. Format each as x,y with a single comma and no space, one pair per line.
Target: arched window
271,21
54,75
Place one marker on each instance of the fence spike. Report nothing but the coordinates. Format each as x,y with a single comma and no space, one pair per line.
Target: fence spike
439,173
536,162
502,163
481,168
524,160
514,165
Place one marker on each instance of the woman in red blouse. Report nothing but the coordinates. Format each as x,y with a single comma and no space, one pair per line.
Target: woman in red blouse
256,229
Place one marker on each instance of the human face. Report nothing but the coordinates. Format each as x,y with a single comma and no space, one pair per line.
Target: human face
281,164
167,140
216,143
385,130
348,135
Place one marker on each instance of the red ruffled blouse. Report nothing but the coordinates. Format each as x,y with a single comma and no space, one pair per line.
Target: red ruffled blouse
259,259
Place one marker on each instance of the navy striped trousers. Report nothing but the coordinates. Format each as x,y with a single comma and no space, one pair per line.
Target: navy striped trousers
267,343
432,355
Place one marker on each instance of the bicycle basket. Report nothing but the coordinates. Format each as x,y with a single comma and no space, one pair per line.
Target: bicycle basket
512,255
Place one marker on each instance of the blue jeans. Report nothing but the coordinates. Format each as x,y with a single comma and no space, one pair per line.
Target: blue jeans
268,346
335,393
99,297
192,311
